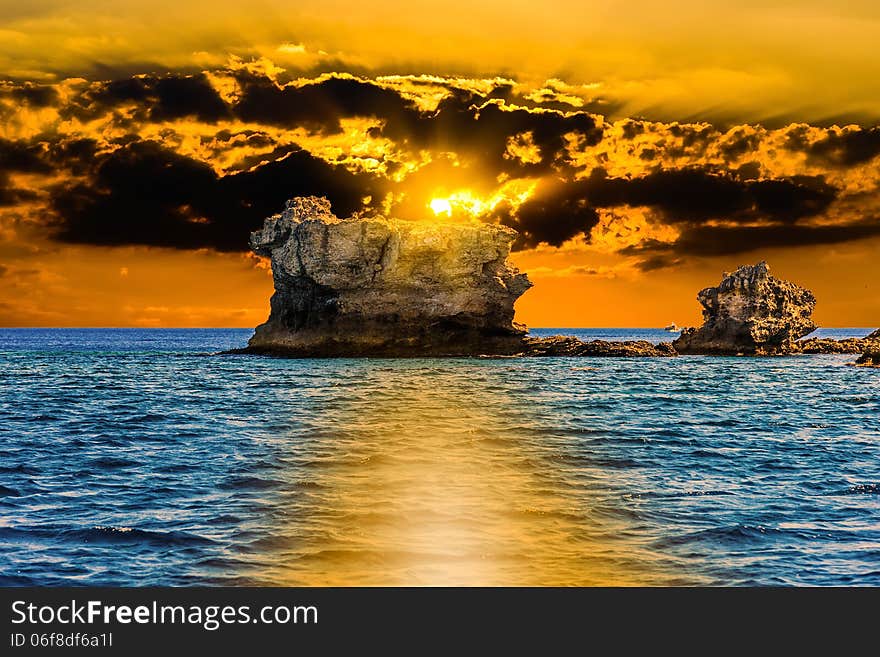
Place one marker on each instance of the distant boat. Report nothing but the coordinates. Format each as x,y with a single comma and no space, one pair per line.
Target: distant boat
672,328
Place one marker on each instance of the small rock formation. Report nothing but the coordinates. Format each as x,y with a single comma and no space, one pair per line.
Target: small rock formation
871,357
385,287
559,345
870,350
750,312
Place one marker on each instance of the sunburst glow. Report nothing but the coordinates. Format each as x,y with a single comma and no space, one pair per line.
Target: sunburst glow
441,206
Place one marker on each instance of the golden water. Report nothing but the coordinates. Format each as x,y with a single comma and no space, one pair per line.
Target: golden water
432,479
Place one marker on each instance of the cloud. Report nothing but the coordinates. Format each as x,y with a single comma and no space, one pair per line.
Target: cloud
658,261
728,240
319,104
22,157
155,98
553,215
696,194
846,147
144,193
31,94
195,160
561,210
481,128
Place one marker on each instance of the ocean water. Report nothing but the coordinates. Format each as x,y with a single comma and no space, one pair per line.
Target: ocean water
140,457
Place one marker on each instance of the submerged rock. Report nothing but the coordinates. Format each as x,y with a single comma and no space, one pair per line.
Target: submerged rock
559,345
750,312
377,286
830,346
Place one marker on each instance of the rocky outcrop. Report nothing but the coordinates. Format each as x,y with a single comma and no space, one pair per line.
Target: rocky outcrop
385,287
371,286
560,345
750,312
871,358
829,346
870,350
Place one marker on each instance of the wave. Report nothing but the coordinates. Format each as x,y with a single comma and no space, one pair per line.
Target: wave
130,535
738,534
709,470
21,468
683,494
107,535
251,483
112,463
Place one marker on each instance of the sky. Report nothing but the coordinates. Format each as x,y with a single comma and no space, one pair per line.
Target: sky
641,149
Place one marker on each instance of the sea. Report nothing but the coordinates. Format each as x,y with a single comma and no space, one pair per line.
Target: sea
143,457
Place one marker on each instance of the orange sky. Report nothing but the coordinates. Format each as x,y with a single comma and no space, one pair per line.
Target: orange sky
640,149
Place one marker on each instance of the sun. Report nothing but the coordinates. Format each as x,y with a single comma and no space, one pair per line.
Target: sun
441,206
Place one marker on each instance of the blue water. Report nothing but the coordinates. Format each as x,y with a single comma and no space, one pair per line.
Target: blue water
138,457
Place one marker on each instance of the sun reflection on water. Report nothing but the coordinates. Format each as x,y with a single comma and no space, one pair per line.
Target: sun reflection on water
428,477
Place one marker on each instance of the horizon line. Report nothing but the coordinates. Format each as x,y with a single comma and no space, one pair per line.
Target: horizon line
242,328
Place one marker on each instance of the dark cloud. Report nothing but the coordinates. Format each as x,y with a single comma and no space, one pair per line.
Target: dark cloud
717,240
554,214
696,194
837,147
32,94
682,194
77,155
632,129
156,98
192,96
482,131
146,194
10,196
791,199
22,157
727,240
748,171
738,142
19,157
128,190
476,125
658,261
320,105
562,210
692,140
848,148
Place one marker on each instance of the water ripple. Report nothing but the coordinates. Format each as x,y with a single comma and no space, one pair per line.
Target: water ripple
137,457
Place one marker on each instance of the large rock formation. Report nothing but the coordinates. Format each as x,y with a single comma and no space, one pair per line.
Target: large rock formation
376,286
373,286
750,312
